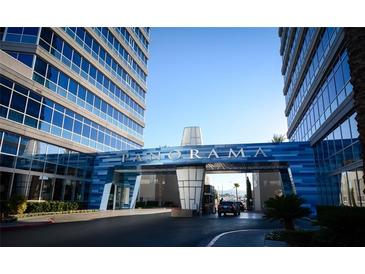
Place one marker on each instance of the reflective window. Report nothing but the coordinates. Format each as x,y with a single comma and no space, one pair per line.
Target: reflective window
39,112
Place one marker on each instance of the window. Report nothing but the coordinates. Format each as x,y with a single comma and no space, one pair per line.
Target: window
5,96
80,32
57,118
92,71
33,108
57,43
82,92
31,31
77,127
18,102
331,89
63,80
76,59
67,51
10,143
46,114
353,125
73,87
46,35
346,70
52,74
339,80
68,123
90,98
88,40
40,67
85,65
86,131
15,30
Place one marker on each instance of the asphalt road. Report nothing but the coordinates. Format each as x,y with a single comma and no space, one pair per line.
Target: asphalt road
158,230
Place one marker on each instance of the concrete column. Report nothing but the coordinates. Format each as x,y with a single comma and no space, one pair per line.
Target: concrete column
135,192
191,183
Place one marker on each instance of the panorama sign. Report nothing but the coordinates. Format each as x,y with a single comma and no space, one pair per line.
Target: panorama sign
190,154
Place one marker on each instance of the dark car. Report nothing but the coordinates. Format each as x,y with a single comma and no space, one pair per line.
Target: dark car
228,207
241,205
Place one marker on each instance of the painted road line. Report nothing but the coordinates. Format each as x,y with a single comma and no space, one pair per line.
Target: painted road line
216,238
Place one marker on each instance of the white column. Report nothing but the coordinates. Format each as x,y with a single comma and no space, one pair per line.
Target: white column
191,184
105,197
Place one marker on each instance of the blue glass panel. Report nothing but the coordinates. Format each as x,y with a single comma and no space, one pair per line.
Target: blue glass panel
73,87
77,127
29,121
18,102
76,59
67,51
46,35
63,80
40,67
46,114
26,59
3,113
52,74
35,96
57,118
57,43
68,123
33,108
10,143
16,116
81,93
31,31
5,95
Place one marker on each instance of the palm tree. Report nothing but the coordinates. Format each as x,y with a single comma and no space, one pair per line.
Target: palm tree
286,208
278,138
248,195
236,185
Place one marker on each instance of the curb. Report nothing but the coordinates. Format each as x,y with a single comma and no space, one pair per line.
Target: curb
24,226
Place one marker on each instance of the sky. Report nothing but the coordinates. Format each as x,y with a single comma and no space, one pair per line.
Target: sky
226,80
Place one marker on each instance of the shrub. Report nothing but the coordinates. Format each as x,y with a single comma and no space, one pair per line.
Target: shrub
51,206
18,204
342,225
152,204
140,204
286,208
4,210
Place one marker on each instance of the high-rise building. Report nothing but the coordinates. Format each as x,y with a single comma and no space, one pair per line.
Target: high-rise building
324,79
65,94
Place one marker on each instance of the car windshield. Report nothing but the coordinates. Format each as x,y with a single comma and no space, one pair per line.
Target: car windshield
226,203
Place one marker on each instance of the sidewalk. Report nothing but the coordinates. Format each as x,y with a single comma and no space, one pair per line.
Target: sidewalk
77,217
245,238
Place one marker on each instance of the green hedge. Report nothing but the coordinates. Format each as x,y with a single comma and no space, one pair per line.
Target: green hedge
339,226
342,225
51,206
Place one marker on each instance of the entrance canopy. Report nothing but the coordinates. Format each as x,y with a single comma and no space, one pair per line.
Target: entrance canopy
294,161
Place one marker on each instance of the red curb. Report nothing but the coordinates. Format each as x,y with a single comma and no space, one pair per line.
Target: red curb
23,226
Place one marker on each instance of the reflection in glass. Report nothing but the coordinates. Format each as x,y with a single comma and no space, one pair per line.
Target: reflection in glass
47,189
35,188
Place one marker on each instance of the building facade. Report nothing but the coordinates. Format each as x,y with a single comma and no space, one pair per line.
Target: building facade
324,98
67,93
